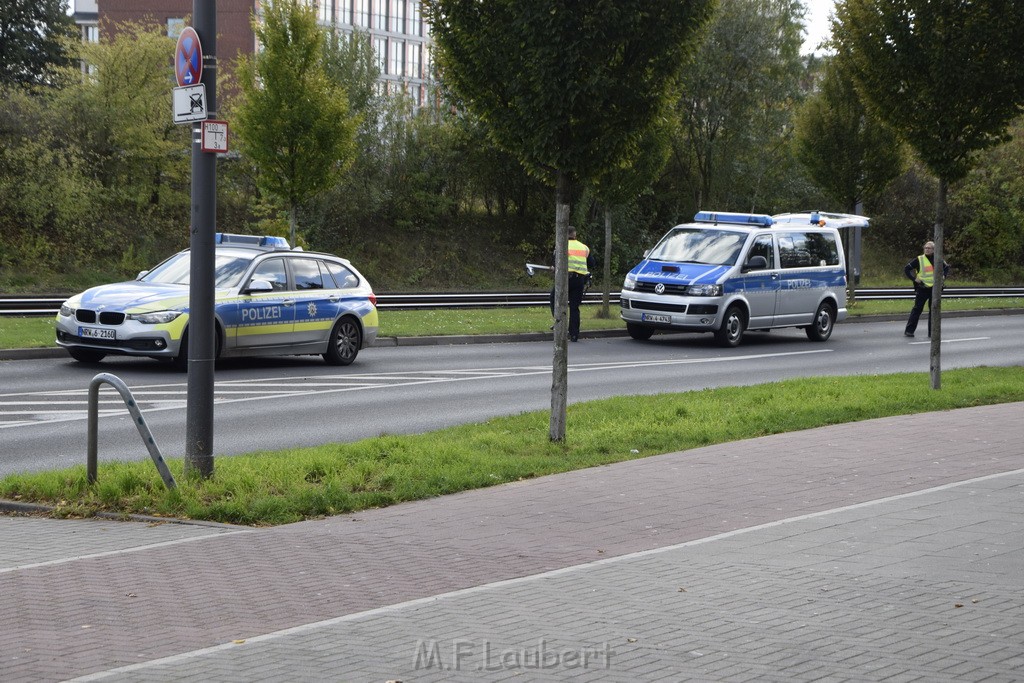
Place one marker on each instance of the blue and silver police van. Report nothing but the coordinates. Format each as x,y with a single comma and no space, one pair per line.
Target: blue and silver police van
727,273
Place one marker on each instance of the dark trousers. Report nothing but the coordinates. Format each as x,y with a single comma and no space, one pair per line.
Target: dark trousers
577,288
922,296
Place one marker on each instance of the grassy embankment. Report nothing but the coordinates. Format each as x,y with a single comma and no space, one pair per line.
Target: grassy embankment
279,487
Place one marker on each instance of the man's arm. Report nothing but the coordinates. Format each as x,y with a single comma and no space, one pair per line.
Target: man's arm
910,270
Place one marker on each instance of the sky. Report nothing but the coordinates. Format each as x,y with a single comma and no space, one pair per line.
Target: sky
816,23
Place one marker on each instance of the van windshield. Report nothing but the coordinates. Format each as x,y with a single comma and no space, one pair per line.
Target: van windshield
700,245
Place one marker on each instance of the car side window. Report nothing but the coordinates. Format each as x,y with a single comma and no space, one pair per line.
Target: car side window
273,271
307,274
343,277
763,246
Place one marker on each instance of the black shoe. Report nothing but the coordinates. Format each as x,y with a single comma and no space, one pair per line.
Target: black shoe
574,339
908,334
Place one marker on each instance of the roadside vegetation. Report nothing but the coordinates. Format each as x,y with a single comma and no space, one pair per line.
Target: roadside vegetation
279,487
35,332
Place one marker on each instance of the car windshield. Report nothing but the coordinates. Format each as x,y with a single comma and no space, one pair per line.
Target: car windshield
699,245
228,270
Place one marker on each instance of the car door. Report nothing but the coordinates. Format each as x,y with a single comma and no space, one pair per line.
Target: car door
761,287
264,318
316,299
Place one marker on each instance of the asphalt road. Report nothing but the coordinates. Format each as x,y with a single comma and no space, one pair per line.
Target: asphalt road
282,403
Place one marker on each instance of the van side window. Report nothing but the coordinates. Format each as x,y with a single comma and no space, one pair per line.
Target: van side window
808,249
763,246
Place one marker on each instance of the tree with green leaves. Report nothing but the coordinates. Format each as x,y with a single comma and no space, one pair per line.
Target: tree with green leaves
568,88
34,40
848,153
736,100
948,76
292,119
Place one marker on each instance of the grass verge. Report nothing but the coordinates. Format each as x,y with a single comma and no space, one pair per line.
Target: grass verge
30,333
269,488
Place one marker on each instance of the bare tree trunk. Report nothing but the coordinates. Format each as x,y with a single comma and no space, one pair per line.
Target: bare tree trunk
560,362
292,224
607,271
935,314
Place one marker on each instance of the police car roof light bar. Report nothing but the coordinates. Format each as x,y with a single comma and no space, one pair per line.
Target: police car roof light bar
763,220
255,240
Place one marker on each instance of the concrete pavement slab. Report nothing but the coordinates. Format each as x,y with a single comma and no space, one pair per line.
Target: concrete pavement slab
159,597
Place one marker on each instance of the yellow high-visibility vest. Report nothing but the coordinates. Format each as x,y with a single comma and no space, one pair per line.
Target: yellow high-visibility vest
925,270
578,253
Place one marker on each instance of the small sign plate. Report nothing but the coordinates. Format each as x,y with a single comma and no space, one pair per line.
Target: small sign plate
189,103
215,136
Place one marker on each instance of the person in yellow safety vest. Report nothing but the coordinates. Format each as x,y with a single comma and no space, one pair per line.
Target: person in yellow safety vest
921,271
581,263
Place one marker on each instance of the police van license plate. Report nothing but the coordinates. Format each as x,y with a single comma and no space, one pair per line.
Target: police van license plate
95,333
652,318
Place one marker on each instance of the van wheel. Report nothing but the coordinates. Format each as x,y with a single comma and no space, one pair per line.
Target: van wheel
824,320
345,342
733,325
86,355
641,332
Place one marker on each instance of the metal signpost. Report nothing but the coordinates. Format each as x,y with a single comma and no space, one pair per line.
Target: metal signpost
195,101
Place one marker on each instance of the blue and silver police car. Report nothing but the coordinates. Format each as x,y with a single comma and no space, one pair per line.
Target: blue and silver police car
727,273
269,300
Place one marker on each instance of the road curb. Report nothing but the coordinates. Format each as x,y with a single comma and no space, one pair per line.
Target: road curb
454,339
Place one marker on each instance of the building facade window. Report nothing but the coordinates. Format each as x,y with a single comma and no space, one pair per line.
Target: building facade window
397,16
362,13
344,11
380,53
412,63
397,61
325,11
414,26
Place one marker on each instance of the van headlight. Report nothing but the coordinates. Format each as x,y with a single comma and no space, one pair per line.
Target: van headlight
704,290
630,282
154,318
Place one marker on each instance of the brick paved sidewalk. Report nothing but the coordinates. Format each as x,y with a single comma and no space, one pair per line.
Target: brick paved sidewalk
876,587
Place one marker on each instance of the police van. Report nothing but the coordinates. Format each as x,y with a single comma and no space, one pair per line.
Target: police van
727,273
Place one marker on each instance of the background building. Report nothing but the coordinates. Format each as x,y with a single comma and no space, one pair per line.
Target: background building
401,39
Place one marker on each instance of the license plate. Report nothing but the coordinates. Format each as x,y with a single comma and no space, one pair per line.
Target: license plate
96,333
652,318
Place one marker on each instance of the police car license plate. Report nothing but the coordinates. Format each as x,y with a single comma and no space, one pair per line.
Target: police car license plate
96,333
652,318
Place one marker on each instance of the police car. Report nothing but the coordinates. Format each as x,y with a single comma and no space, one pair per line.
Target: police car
727,273
269,300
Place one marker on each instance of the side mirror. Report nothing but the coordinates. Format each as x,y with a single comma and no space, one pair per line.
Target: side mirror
755,263
259,286
142,274
647,252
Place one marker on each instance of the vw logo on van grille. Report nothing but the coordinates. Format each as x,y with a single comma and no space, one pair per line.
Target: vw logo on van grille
659,288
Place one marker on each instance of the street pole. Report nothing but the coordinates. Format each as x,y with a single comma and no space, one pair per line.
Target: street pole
201,327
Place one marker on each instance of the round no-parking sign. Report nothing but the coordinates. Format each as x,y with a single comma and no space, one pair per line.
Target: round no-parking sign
188,58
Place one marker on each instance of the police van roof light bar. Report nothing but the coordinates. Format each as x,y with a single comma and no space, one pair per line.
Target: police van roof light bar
762,220
255,240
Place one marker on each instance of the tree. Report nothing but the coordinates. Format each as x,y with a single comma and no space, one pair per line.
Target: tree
623,183
567,87
292,120
736,99
847,152
34,37
948,76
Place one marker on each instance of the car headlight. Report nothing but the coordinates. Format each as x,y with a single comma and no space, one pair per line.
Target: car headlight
154,318
704,290
630,282
66,311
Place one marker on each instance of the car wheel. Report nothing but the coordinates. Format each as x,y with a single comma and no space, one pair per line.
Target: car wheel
733,325
641,332
344,343
86,355
824,320
180,362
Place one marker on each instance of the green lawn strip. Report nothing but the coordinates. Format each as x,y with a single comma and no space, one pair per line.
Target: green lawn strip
24,332
268,488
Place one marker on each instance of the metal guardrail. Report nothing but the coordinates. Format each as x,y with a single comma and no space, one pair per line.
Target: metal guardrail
31,306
